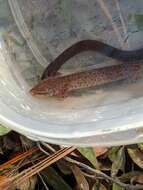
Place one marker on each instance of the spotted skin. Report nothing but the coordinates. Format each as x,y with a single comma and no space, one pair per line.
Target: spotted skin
60,86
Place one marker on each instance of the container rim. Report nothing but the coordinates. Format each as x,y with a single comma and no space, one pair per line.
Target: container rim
15,121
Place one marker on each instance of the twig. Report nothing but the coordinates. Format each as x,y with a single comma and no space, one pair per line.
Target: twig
43,181
92,176
42,150
48,146
41,178
100,174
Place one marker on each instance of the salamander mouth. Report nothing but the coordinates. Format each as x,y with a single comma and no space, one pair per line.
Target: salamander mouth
46,92
34,92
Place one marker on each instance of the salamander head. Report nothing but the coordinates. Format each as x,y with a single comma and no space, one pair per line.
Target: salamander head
51,87
46,87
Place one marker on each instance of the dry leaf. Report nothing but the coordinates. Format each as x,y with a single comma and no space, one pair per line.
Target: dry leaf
112,154
117,187
99,151
137,156
140,146
64,167
101,187
79,176
52,178
89,153
6,183
29,184
127,176
4,130
137,179
119,162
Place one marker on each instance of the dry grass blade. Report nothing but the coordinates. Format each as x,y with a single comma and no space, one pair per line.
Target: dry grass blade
16,168
5,182
42,164
18,158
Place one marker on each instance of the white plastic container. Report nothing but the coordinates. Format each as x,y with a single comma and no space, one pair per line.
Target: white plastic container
111,115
